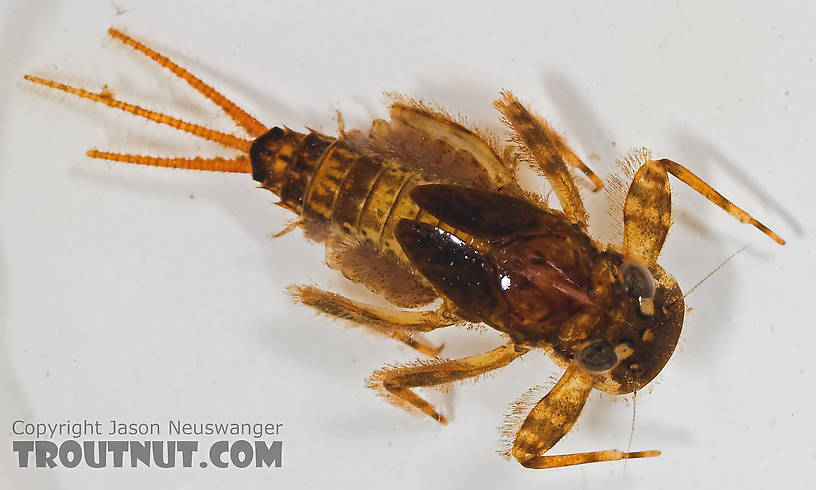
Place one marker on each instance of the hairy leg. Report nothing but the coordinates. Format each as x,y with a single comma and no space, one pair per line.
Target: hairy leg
468,156
647,210
381,273
552,418
395,383
397,324
545,149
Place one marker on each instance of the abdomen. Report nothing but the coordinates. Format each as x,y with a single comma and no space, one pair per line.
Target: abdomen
339,192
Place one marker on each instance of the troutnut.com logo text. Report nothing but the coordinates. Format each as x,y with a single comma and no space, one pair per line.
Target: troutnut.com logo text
174,444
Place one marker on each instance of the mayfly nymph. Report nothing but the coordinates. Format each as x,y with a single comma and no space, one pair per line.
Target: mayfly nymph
424,210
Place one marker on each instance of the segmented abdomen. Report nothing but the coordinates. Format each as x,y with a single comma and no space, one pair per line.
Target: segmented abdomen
336,189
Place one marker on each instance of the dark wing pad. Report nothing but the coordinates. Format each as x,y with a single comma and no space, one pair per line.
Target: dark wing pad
480,213
454,268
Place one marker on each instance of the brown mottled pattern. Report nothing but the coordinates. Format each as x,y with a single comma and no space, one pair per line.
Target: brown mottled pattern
284,157
531,136
321,194
647,213
380,201
271,155
353,193
298,175
361,197
553,416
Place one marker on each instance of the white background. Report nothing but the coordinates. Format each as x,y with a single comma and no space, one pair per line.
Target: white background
148,294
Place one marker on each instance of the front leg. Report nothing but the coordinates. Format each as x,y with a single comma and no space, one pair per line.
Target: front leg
395,383
647,210
552,418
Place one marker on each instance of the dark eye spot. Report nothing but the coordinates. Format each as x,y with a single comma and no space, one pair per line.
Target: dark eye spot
639,283
637,280
597,357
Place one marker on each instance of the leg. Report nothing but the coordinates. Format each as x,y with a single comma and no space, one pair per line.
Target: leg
395,383
547,150
709,193
647,210
552,418
382,274
647,213
429,138
286,230
397,324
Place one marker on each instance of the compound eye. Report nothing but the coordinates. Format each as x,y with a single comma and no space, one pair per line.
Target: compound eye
637,280
597,357
639,284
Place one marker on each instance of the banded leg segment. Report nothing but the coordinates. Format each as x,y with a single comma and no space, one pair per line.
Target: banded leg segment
552,418
397,324
395,383
647,213
549,152
647,210
709,193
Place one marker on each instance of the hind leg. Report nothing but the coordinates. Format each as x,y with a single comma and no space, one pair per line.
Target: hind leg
381,273
428,139
397,324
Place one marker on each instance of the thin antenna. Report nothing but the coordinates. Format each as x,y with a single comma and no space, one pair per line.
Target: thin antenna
632,431
715,270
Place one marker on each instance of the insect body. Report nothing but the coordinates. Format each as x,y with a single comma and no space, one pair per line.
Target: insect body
422,210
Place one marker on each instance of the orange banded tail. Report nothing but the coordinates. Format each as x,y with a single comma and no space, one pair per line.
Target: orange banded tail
217,164
104,97
252,126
